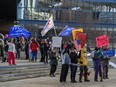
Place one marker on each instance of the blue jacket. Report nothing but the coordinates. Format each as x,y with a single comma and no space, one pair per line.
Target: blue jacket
98,57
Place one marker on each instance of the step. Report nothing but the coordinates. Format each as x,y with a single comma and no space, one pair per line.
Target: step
10,73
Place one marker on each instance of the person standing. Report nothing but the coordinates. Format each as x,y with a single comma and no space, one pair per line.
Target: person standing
34,48
27,49
92,56
18,49
11,52
42,50
46,48
30,52
2,50
105,64
74,64
98,64
83,61
65,65
53,62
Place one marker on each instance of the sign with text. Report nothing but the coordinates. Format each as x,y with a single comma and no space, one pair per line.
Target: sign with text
82,37
109,53
102,41
57,41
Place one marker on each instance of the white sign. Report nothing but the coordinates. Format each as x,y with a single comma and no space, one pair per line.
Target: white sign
57,41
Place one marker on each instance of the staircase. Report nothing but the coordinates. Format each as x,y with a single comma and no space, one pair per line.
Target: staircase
10,73
25,70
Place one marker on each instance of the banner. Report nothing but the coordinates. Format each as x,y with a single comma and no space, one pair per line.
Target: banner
102,41
57,41
82,37
17,31
66,31
48,26
74,33
109,53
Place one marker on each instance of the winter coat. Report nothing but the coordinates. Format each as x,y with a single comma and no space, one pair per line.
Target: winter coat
83,59
53,58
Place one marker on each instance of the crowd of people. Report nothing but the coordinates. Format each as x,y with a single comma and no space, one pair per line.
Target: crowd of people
30,47
73,59
10,49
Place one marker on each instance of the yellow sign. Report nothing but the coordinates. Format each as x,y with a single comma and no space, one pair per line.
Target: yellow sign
74,32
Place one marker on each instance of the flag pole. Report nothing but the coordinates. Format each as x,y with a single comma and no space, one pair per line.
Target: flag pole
54,27
61,31
55,31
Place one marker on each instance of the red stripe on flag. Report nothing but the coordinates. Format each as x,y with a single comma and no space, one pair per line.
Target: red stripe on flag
77,45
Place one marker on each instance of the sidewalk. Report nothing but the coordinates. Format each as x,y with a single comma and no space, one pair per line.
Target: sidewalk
54,82
22,62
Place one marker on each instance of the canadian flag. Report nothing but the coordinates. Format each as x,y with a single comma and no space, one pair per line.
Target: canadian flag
48,26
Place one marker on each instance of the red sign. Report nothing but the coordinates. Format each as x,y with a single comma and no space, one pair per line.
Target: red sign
82,37
102,41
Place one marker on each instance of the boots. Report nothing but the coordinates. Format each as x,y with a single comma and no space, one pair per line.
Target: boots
86,78
80,77
73,80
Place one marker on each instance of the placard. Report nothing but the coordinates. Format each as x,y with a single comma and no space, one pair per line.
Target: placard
102,41
57,41
109,53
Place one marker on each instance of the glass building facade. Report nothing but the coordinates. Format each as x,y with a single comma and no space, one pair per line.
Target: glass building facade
96,17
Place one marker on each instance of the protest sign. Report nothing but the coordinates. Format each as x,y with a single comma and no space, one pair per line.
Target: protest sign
109,53
57,41
102,41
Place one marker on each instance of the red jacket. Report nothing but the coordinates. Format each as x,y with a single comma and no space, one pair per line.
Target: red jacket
34,46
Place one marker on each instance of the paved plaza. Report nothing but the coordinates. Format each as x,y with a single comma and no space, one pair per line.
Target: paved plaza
54,82
47,81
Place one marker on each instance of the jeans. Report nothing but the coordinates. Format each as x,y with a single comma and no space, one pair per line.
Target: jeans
34,56
98,70
64,72
73,69
11,58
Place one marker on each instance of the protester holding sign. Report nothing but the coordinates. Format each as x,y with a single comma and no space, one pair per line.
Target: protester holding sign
83,62
98,64
105,64
53,62
74,64
65,65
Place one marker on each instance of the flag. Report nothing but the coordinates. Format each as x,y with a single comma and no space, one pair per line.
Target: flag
77,44
48,26
75,31
17,31
67,31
